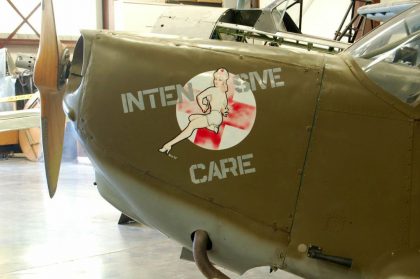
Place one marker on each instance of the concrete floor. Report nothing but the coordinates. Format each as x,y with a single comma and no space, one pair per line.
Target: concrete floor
75,235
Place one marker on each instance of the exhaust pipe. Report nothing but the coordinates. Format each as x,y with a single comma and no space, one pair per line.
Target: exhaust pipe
201,244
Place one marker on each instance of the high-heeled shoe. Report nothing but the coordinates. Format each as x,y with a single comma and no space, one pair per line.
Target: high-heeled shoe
214,128
165,149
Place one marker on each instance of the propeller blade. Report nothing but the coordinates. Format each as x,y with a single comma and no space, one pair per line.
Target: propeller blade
46,77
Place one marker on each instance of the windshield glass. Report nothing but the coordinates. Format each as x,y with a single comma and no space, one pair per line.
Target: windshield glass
390,56
286,14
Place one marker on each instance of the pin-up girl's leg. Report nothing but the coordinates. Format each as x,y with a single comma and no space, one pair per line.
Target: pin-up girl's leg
198,122
194,116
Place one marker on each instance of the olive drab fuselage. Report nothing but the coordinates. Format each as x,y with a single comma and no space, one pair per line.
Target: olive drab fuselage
310,151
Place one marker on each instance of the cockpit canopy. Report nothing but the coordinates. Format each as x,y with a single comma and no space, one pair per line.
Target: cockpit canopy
391,56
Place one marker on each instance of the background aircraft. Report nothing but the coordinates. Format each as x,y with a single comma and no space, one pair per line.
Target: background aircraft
275,157
274,25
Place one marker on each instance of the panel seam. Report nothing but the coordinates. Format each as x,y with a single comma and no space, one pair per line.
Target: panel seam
310,140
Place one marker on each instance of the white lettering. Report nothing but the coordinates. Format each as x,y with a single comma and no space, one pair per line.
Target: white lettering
273,81
214,171
192,173
138,102
220,170
255,77
246,163
151,93
180,90
225,169
124,102
243,83
162,96
169,97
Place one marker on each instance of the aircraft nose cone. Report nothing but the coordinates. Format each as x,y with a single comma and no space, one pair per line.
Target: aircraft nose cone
73,92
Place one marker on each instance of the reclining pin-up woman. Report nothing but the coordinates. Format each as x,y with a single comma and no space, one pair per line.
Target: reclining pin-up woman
213,103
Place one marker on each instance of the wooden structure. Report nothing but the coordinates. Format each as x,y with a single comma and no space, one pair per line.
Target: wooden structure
22,127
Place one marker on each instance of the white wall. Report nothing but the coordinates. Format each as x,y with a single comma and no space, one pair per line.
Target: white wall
131,17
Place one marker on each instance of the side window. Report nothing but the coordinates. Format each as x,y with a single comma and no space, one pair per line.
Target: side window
392,59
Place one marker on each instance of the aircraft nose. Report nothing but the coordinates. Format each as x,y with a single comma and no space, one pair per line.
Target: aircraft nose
73,92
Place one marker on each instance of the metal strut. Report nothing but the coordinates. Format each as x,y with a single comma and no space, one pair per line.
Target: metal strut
202,243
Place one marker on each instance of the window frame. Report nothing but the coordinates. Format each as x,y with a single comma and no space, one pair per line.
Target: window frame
104,14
